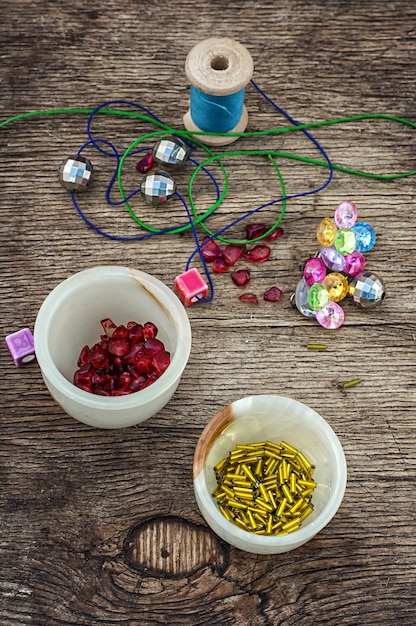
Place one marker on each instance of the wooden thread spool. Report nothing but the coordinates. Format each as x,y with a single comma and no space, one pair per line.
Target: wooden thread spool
218,69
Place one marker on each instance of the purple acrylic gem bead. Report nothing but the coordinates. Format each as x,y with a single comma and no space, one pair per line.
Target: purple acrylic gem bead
333,259
314,270
354,263
345,214
331,316
21,346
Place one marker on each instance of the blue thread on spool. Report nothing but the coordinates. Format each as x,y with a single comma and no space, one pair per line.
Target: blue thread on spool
219,70
218,114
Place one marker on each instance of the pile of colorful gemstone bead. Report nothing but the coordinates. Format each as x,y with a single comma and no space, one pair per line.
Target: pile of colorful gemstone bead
338,269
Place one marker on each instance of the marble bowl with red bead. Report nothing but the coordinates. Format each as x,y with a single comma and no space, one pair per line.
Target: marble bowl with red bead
70,318
274,418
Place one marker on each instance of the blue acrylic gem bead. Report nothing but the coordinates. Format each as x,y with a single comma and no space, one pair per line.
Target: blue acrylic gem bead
365,237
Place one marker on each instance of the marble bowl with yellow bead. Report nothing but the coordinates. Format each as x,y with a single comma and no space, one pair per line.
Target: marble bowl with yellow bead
277,495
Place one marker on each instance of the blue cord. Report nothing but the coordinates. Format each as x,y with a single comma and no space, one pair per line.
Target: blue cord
97,143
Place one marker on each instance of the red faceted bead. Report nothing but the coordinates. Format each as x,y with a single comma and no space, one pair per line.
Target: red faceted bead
150,330
255,230
138,383
250,298
83,376
82,356
210,250
149,380
117,366
274,294
136,332
275,234
240,277
120,332
145,164
153,346
98,357
258,254
99,379
124,381
104,342
161,362
109,326
232,253
219,266
134,355
119,347
144,365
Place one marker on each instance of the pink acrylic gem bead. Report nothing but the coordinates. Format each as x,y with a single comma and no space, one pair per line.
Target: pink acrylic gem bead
21,346
190,286
314,270
354,263
331,316
345,214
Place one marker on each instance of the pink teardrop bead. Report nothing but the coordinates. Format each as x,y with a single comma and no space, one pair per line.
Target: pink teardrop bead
145,164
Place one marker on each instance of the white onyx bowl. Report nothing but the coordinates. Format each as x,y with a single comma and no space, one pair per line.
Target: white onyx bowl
69,319
273,418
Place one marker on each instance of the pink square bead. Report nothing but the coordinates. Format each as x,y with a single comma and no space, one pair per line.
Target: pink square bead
21,346
190,286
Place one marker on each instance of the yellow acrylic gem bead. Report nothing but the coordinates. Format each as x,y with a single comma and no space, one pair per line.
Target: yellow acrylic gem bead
337,286
326,232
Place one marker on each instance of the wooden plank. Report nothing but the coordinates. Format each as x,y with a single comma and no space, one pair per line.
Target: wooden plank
102,527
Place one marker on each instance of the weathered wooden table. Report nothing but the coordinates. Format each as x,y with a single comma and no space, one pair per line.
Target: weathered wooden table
101,526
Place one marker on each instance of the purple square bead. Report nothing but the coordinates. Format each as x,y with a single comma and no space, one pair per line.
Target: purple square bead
21,346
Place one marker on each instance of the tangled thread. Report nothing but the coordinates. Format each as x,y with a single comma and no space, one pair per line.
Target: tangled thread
193,219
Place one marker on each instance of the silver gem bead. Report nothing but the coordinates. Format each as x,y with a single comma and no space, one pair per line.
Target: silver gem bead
157,188
76,174
170,152
367,290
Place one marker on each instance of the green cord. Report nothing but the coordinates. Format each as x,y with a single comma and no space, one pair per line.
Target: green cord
271,229
199,219
271,154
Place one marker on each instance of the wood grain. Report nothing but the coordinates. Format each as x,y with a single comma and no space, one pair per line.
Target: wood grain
101,527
